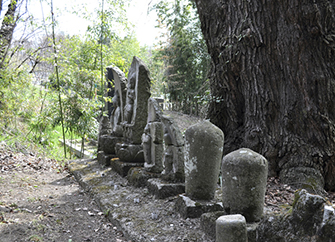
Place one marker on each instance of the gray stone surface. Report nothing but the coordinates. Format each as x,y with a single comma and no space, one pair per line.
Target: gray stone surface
177,138
136,108
108,142
327,230
309,220
122,168
104,129
203,153
134,211
208,222
104,159
120,83
189,208
129,152
231,228
244,179
138,176
153,148
308,210
208,225
162,189
174,152
155,112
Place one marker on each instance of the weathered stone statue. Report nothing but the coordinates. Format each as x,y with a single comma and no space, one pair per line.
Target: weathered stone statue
110,130
105,129
129,108
152,138
244,179
135,113
119,101
203,154
174,152
116,116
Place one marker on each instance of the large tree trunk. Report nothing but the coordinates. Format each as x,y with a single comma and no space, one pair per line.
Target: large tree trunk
7,30
272,81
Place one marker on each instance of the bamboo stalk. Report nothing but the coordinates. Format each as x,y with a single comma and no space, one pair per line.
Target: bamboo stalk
57,76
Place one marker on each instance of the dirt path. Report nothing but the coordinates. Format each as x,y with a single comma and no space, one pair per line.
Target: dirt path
38,203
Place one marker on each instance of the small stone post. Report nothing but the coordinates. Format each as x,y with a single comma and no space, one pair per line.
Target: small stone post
231,228
244,179
203,153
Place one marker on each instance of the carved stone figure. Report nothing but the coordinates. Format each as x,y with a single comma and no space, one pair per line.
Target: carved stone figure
129,108
135,112
152,139
110,130
119,100
173,158
116,116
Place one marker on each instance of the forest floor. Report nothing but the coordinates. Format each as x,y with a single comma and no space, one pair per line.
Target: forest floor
41,201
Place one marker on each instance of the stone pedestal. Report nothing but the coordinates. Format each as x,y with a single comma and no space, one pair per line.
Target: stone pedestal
244,179
203,154
231,228
130,152
189,208
163,189
104,159
108,142
123,167
139,176
208,225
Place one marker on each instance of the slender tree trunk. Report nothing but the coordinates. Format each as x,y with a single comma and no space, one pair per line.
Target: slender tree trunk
7,30
272,81
0,6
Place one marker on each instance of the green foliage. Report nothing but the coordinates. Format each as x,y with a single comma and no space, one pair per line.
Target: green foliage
14,92
29,104
184,54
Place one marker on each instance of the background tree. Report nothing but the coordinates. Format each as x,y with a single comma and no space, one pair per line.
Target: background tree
184,54
273,67
7,29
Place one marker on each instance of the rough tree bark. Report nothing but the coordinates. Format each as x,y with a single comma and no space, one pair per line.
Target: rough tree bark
272,79
7,30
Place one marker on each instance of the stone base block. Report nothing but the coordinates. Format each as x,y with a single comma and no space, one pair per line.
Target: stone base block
123,167
208,222
231,228
107,143
162,189
138,176
208,225
104,159
189,208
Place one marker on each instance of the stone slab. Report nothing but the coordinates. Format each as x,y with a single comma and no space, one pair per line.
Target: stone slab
189,208
231,228
138,176
162,189
123,167
104,159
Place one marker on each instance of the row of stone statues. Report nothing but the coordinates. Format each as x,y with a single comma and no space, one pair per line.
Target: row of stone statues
137,130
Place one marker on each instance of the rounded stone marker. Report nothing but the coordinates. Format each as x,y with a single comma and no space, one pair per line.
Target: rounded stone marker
244,179
203,153
231,228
